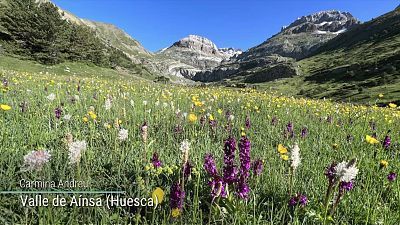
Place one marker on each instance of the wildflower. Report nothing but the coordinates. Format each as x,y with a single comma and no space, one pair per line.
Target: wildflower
304,132
51,97
346,171
346,186
36,159
187,169
218,187
75,150
371,139
295,157
156,161
247,122
330,173
92,115
293,201
243,189
289,130
229,170
185,146
177,196
69,138
383,163
192,118
392,105
219,111
298,199
282,149
144,103
67,117
209,165
392,176
123,134
107,104
380,95
5,107
58,112
143,132
258,167
85,119
285,157
244,156
175,213
386,142
303,200
158,196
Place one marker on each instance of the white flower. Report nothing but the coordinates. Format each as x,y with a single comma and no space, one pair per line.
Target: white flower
295,157
107,104
346,171
185,145
185,114
132,103
76,97
123,134
36,159
67,117
76,149
145,103
51,97
231,117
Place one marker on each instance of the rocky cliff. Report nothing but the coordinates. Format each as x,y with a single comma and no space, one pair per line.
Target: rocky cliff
195,54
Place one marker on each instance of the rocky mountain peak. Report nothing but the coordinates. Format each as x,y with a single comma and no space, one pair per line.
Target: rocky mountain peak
331,21
197,43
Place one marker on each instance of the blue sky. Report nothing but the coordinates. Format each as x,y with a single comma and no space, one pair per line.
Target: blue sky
228,23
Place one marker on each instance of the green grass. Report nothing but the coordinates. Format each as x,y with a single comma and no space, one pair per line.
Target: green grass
110,164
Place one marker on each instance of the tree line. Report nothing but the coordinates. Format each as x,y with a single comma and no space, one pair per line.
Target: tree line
38,31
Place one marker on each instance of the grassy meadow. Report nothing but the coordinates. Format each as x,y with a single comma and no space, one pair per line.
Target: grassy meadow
124,121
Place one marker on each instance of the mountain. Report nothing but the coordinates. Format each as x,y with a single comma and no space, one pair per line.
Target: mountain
196,54
295,41
110,35
304,35
358,64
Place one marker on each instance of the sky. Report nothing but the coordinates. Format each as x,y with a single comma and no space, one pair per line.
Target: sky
242,24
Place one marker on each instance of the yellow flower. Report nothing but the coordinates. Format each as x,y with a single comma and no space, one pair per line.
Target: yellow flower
211,117
92,115
192,118
243,134
175,212
282,149
284,157
380,95
198,103
335,146
384,163
392,105
5,107
371,140
220,111
157,196
85,119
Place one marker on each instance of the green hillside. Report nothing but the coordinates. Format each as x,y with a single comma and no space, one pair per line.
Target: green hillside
356,66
